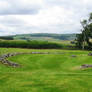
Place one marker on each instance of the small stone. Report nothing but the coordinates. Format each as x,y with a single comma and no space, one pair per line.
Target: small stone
74,56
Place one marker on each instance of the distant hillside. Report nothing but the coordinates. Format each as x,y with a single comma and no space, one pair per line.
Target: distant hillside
7,37
45,36
41,36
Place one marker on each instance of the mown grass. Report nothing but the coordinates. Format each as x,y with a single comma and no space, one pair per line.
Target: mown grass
46,73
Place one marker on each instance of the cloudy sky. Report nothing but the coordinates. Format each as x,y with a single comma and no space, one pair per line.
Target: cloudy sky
42,16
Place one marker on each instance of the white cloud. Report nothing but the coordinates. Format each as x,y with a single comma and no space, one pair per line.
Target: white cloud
46,16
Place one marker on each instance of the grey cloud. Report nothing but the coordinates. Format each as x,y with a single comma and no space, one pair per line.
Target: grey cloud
11,21
17,7
19,12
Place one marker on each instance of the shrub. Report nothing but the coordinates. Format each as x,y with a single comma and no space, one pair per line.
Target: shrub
30,44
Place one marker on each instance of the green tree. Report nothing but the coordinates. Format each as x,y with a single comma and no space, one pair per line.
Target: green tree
83,39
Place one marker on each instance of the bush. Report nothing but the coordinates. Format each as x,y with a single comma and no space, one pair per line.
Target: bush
30,44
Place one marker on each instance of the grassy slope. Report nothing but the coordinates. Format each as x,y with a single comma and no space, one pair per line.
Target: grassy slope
46,73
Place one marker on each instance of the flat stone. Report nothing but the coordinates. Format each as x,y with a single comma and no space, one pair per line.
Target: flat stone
86,66
74,56
90,54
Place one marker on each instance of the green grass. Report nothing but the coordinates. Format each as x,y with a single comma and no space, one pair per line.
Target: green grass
46,73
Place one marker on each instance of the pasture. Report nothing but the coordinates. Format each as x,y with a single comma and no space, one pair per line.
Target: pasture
46,72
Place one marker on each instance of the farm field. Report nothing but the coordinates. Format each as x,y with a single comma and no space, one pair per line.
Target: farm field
46,72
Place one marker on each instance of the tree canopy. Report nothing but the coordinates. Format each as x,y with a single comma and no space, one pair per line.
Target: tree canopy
85,38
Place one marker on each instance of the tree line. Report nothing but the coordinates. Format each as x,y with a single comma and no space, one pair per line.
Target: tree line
30,44
7,37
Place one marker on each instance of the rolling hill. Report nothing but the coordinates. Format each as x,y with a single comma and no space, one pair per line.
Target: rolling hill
45,36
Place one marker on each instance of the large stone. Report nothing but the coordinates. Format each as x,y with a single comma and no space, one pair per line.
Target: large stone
5,62
1,59
74,56
86,66
90,54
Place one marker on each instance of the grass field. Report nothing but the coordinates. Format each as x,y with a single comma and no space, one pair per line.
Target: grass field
46,73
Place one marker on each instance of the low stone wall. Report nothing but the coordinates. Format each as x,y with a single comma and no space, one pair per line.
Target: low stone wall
3,58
